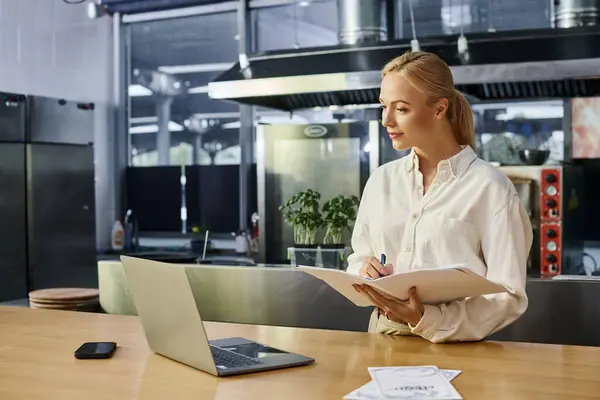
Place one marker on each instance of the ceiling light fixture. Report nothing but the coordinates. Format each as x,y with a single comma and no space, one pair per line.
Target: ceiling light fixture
462,44
198,89
414,43
194,68
139,91
173,127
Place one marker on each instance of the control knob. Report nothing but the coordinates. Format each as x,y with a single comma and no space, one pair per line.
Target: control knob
550,178
551,233
551,258
550,203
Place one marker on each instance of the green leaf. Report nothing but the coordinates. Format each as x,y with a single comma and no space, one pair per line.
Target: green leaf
339,214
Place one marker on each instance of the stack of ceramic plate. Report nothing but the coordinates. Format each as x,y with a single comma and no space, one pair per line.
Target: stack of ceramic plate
68,299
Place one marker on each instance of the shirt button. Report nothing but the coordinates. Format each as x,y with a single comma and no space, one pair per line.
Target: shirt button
419,188
415,216
408,249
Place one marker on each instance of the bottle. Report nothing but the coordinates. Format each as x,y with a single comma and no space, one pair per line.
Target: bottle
241,243
117,236
132,234
254,237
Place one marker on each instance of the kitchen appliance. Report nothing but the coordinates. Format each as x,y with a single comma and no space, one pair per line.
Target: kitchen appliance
572,13
524,64
534,156
331,159
48,234
553,195
13,198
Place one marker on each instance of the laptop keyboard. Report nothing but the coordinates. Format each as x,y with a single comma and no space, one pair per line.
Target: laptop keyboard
229,359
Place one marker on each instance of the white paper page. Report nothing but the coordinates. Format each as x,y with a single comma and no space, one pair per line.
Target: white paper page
440,285
414,383
342,282
434,286
450,373
370,390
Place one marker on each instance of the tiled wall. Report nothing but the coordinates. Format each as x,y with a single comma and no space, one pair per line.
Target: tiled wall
51,48
48,47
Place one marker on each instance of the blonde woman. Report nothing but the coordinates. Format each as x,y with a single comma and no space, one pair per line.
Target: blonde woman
438,206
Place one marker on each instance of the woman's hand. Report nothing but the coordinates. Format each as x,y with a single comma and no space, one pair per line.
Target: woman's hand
373,269
409,311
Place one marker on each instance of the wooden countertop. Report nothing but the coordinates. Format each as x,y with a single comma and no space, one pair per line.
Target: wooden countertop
36,362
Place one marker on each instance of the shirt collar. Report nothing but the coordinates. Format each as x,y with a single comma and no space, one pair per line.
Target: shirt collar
457,164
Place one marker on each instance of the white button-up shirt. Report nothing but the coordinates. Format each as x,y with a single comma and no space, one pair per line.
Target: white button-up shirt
471,214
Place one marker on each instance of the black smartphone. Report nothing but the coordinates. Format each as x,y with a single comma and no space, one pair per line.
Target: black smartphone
95,350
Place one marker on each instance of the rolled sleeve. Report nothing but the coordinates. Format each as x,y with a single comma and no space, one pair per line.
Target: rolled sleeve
505,245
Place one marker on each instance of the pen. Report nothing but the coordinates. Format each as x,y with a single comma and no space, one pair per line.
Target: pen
382,260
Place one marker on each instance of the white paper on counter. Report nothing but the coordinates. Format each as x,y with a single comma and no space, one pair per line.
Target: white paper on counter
422,383
370,390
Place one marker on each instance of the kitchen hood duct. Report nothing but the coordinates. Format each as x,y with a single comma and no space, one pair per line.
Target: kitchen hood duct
361,21
572,13
531,64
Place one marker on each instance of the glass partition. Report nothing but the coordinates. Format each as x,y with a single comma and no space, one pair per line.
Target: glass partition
174,122
172,119
502,129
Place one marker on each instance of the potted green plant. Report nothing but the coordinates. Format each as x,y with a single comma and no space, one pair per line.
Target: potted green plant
339,215
303,213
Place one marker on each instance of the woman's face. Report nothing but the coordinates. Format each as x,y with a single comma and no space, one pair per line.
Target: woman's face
407,114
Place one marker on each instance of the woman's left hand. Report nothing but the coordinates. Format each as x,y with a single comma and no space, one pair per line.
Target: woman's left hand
408,311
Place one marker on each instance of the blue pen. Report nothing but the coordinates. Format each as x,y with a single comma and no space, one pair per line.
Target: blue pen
382,261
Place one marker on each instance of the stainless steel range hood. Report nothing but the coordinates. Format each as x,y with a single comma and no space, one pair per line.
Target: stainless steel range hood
550,63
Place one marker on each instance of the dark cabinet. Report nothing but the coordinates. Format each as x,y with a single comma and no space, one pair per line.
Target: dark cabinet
211,196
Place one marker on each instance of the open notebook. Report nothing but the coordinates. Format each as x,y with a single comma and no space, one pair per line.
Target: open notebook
434,286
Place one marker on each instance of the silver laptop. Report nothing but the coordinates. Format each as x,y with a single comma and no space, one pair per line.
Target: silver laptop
173,326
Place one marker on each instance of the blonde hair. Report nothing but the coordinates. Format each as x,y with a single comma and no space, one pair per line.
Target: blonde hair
431,76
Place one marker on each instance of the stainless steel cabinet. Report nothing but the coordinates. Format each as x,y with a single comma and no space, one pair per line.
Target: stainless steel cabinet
60,121
47,229
13,237
61,218
13,112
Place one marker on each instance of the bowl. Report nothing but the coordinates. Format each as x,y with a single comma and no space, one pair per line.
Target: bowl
534,156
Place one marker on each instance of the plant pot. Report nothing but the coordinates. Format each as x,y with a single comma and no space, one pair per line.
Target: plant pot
305,246
333,246
304,254
332,255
